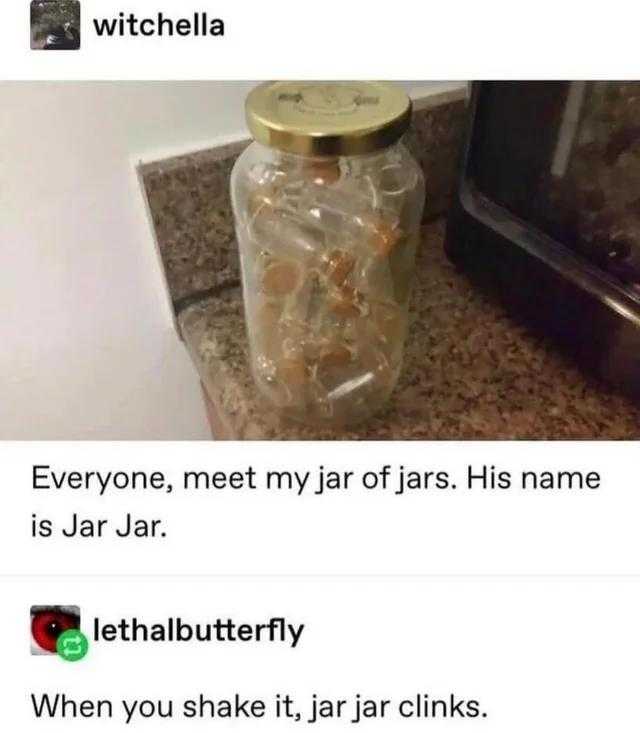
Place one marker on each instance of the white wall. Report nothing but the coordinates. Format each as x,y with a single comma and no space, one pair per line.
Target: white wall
87,346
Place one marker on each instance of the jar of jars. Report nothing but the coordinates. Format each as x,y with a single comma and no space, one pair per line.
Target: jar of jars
327,204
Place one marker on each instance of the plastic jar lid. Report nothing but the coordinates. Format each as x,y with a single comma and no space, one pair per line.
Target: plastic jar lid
328,118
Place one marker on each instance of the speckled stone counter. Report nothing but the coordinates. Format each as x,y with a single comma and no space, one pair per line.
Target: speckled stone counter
470,372
189,203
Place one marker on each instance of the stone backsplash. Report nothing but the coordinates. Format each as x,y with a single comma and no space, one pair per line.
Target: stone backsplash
190,207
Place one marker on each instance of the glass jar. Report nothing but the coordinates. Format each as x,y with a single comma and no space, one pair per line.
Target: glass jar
327,205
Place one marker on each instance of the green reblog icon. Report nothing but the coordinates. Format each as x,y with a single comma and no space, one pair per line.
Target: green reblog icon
72,645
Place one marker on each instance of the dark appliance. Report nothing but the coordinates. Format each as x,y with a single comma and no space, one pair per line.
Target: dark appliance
547,212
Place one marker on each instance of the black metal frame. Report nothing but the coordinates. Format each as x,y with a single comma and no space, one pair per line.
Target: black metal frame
564,295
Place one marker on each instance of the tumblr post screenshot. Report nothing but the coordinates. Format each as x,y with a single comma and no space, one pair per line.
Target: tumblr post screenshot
320,367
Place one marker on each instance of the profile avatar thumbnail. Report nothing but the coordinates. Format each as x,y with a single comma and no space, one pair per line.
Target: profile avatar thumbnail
55,25
48,623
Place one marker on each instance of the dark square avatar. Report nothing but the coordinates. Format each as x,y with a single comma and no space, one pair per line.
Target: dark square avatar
55,25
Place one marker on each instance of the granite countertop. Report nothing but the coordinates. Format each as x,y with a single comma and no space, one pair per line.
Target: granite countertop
470,372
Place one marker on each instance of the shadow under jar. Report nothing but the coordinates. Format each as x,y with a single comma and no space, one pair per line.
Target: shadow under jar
327,205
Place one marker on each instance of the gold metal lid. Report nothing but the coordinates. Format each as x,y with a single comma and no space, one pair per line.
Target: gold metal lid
328,118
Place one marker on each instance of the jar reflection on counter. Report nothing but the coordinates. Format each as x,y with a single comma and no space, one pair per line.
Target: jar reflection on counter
327,250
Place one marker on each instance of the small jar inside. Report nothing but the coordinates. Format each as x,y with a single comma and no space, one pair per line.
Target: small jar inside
327,249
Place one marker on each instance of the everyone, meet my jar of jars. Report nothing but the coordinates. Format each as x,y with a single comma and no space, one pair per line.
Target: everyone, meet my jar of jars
327,204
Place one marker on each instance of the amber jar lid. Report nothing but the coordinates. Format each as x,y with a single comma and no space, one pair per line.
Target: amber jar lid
328,118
